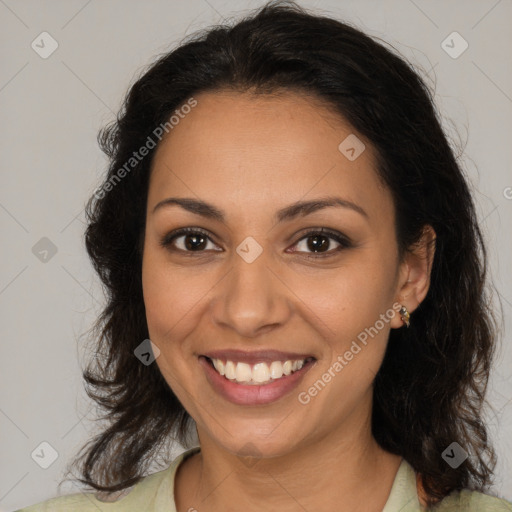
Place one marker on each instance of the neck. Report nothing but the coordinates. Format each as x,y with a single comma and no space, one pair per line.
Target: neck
334,473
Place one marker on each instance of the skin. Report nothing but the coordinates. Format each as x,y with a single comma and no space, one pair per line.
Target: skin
250,156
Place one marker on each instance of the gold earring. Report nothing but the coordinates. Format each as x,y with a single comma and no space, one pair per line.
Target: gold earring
405,315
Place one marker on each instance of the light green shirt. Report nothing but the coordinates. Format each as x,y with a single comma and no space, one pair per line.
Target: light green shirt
155,493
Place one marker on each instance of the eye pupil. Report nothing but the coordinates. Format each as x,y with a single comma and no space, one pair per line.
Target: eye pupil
316,245
199,241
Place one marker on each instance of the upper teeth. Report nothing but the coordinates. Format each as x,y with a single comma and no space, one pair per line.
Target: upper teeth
258,373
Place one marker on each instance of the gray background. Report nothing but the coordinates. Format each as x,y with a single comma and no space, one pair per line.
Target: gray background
51,110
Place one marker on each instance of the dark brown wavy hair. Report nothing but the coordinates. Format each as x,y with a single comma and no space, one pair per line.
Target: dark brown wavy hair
430,389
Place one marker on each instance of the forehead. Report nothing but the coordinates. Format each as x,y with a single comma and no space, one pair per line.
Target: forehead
264,149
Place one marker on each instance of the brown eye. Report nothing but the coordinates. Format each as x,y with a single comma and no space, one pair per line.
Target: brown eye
187,240
319,243
194,242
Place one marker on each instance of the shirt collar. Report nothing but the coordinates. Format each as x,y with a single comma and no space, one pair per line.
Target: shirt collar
404,495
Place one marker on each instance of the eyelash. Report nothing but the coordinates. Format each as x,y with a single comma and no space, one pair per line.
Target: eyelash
344,242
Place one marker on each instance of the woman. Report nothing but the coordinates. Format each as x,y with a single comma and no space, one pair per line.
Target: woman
284,219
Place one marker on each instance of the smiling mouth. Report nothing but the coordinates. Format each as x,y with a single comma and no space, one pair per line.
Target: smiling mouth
257,374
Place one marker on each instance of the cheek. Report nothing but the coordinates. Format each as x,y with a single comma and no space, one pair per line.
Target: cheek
353,297
356,305
167,303
160,287
173,298
157,294
164,300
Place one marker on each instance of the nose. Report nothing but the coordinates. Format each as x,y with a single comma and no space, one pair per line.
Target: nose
251,299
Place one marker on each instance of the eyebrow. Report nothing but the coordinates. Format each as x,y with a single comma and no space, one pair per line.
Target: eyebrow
298,209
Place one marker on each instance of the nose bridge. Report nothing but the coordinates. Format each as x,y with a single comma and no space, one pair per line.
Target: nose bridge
251,297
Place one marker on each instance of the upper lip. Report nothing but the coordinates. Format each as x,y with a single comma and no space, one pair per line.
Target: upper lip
258,356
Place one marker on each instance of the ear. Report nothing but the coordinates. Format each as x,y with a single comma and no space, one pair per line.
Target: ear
414,273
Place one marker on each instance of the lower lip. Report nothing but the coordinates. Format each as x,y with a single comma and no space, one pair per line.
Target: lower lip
244,394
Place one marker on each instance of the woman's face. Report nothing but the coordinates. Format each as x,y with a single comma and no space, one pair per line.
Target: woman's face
247,289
